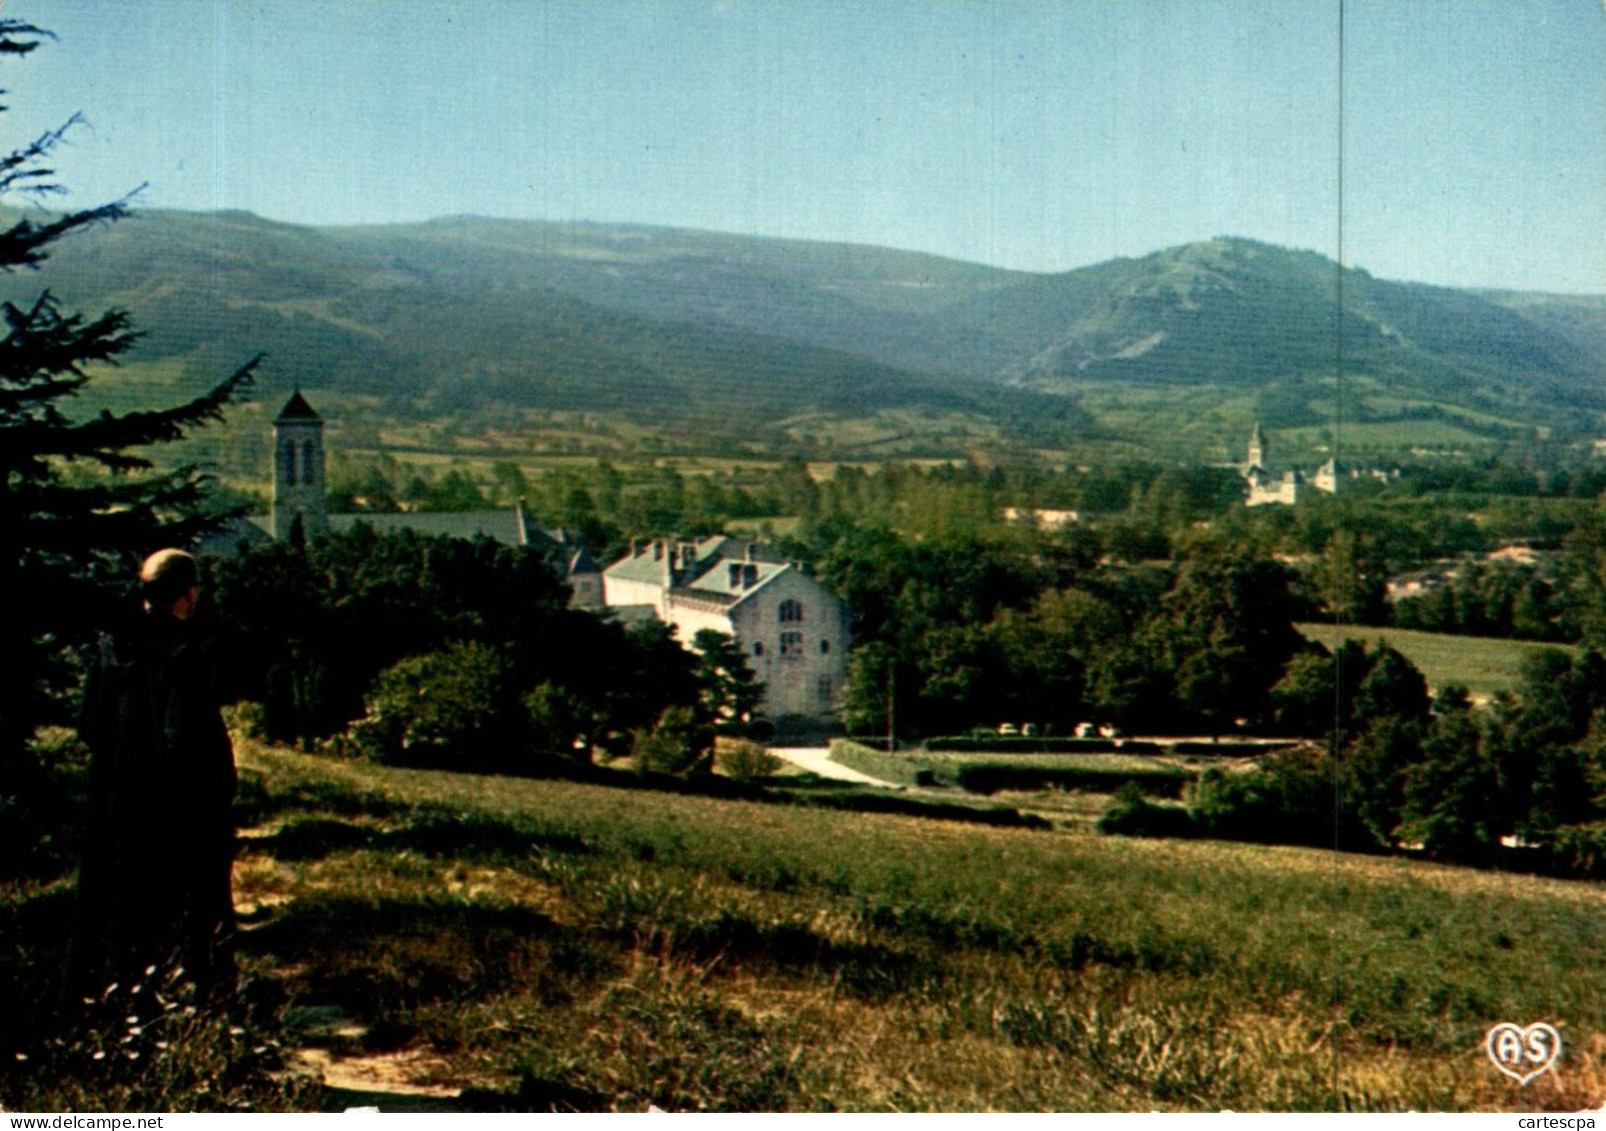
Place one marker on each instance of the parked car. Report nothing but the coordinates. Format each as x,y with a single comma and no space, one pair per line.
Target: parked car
1008,730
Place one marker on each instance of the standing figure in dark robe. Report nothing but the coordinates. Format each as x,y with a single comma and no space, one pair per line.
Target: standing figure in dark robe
155,883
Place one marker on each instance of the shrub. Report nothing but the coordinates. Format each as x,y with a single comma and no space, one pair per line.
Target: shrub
1580,850
246,719
42,818
559,721
1133,814
1290,799
746,761
675,745
456,708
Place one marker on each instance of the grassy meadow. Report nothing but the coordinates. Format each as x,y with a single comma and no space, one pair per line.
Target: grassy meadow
1483,665
545,944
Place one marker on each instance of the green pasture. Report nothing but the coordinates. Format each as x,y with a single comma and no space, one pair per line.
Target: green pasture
526,945
1481,664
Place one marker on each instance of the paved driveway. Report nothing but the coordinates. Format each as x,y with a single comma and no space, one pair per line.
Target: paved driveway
816,759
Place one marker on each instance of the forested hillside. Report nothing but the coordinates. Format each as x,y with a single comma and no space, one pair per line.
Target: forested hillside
448,318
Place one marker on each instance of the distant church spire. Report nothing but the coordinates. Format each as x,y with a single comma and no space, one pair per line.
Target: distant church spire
298,470
1257,447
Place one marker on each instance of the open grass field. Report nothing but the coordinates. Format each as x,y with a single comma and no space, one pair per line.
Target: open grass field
550,944
1480,664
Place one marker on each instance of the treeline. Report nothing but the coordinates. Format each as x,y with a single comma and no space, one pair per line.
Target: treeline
1141,510
461,654
1521,783
1342,551
1501,600
959,630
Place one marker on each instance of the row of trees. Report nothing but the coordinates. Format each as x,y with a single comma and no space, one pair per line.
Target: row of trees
452,652
1482,600
1023,627
958,631
1522,781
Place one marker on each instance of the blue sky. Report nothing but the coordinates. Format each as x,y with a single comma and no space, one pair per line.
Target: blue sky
1039,134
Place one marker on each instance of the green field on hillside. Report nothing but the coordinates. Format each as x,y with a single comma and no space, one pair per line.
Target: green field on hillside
549,944
1481,664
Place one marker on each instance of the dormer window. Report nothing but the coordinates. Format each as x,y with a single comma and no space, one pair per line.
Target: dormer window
790,611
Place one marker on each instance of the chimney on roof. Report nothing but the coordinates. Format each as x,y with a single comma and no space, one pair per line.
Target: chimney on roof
736,574
752,551
657,550
687,555
749,575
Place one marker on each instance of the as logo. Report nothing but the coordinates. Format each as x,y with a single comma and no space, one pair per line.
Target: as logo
1523,1054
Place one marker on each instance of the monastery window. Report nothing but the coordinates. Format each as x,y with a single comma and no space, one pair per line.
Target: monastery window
758,647
824,689
825,647
791,643
309,465
790,611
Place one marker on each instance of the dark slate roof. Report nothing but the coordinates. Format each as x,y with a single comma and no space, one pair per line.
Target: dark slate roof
704,597
638,567
716,582
709,579
504,526
499,525
296,408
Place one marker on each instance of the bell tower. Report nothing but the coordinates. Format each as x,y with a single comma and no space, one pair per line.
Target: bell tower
1257,448
298,482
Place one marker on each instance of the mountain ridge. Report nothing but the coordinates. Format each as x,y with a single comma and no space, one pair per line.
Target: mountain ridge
450,314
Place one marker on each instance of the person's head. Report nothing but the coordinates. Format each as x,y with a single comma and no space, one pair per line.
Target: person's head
170,582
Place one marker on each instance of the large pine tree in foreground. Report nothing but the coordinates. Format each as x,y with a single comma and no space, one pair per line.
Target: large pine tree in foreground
68,541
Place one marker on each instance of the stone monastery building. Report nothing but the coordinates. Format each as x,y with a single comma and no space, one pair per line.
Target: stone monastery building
1262,486
792,629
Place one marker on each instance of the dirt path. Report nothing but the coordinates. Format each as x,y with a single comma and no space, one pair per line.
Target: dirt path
817,760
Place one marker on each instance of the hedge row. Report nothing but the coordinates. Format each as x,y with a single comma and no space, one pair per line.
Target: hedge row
967,744
1229,749
964,744
992,777
899,768
937,747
